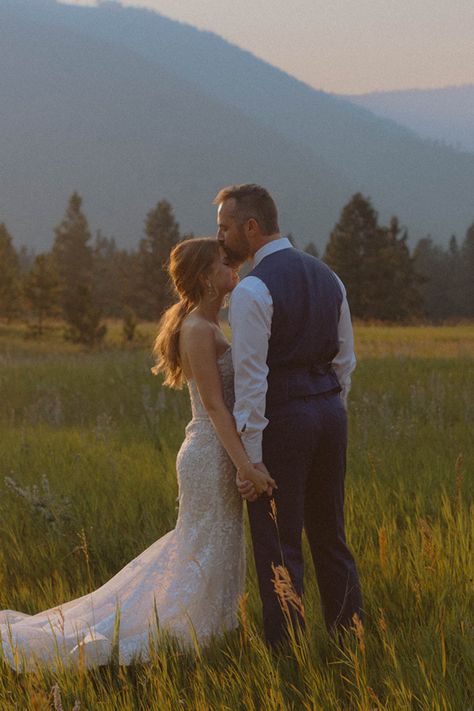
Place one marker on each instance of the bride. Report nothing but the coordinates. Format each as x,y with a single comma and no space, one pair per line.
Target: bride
189,581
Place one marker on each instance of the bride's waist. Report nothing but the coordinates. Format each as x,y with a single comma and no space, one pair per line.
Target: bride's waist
200,428
200,420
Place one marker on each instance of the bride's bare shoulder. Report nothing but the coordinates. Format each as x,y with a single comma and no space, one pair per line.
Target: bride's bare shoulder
196,343
195,326
195,331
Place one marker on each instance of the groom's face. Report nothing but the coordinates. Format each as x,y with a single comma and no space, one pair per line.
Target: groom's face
231,234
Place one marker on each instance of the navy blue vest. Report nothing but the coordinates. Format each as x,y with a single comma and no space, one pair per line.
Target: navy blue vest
306,304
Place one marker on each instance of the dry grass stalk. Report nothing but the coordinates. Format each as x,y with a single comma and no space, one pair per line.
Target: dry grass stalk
427,542
359,632
286,592
273,515
417,591
383,623
374,698
458,468
55,693
273,512
57,700
383,548
442,639
244,617
60,622
84,548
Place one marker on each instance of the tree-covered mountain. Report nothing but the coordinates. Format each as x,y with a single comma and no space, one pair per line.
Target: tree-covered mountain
129,107
445,115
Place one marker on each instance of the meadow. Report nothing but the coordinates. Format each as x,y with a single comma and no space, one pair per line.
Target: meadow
87,480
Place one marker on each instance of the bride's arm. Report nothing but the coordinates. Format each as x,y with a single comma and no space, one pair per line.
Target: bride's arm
198,344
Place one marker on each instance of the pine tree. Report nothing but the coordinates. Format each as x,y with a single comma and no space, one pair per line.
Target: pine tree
453,246
467,273
456,278
129,324
161,235
73,258
440,270
72,253
26,259
10,295
109,275
84,319
348,250
374,263
129,273
41,288
401,287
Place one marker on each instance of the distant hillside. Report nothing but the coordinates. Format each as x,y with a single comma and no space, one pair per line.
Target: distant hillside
445,115
128,107
78,113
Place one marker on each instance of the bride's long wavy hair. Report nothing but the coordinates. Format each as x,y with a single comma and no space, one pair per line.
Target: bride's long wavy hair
189,261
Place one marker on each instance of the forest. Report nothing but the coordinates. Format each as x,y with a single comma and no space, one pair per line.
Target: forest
85,279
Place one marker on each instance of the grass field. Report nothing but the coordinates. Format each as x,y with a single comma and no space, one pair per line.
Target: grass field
97,437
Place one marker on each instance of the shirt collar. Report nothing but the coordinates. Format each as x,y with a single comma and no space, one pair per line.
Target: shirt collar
274,246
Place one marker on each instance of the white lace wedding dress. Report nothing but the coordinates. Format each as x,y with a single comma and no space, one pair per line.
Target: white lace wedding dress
190,579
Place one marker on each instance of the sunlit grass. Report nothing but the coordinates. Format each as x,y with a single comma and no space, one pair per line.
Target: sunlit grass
414,341
371,340
96,427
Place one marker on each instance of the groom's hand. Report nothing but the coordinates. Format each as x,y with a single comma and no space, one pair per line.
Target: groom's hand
247,489
261,466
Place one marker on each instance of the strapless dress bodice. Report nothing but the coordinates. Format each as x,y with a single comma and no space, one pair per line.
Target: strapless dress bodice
226,371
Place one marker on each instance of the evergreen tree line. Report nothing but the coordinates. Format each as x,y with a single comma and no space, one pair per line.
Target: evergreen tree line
84,280
386,282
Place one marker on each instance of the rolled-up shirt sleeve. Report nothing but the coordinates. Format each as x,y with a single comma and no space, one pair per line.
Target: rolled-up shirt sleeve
250,317
345,360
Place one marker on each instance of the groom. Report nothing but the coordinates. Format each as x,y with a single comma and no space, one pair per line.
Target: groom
293,356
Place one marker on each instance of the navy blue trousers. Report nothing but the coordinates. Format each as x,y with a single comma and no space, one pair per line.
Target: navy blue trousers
304,448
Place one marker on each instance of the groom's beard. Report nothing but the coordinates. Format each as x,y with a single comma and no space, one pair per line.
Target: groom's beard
240,251
235,257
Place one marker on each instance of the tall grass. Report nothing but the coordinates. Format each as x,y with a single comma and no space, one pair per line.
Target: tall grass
87,481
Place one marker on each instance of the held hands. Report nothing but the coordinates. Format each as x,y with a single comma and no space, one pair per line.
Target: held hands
253,480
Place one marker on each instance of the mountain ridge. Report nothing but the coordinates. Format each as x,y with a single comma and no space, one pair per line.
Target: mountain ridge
444,114
313,150
185,152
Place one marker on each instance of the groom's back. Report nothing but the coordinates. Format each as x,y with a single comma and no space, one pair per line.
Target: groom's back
306,298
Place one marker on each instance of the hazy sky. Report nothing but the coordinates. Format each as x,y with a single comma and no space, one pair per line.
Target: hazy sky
345,46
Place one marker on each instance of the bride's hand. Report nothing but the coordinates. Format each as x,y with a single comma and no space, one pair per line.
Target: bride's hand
246,489
259,476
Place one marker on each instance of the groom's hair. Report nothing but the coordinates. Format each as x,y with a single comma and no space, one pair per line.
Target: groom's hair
252,201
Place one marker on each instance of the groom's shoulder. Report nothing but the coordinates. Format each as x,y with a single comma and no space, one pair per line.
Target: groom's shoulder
249,289
249,284
317,264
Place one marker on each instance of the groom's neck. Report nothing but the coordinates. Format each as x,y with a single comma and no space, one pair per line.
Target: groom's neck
262,241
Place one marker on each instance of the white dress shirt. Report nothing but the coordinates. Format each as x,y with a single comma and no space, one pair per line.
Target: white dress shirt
250,317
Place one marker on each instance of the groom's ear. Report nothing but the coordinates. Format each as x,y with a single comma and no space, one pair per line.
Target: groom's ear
253,228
